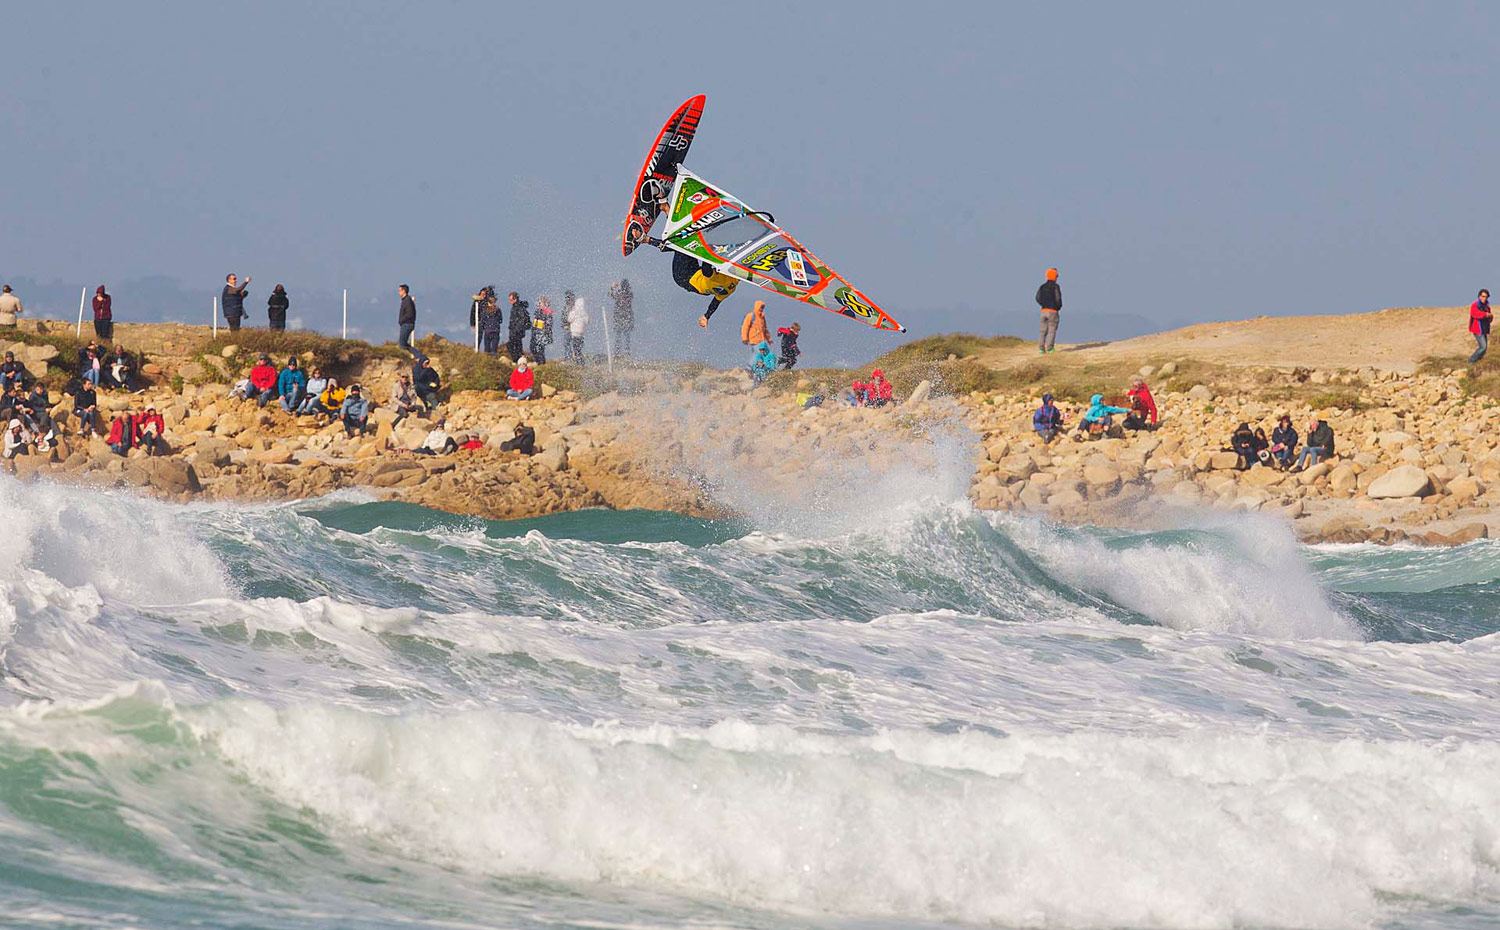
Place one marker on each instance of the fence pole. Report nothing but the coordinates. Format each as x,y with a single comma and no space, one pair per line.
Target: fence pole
214,318
346,313
81,295
476,326
609,352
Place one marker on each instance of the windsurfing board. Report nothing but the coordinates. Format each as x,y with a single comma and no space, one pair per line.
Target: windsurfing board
660,171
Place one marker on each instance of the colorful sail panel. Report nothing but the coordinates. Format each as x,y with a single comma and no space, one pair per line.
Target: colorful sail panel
712,225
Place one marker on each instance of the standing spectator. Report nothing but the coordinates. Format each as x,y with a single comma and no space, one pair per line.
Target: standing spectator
10,306
149,430
121,437
1049,298
624,321
427,383
403,398
522,381
1142,406
1479,324
578,324
406,320
13,373
104,318
276,307
86,409
291,384
355,412
263,381
789,350
753,330
233,301
520,322
488,319
316,385
541,330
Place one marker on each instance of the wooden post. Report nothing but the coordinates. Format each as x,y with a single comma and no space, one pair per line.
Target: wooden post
82,295
214,318
346,313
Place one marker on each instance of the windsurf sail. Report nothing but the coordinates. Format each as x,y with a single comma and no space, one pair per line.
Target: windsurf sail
712,225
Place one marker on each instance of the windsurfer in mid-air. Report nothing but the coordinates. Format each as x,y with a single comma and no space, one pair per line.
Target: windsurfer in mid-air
702,278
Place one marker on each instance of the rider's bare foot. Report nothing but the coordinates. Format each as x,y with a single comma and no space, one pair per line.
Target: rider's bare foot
703,322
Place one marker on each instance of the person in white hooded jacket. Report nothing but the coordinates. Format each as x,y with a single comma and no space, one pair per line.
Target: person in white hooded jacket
17,440
578,322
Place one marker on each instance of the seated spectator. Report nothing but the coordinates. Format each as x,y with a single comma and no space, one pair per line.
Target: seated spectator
354,412
524,441
427,383
13,372
882,392
1242,442
522,381
1098,420
119,370
150,432
1284,442
291,385
1319,444
121,438
1142,414
263,380
38,422
403,398
17,440
438,442
1047,420
1262,447
314,388
86,351
789,351
10,402
331,401
762,363
468,443
38,398
91,367
86,409
858,394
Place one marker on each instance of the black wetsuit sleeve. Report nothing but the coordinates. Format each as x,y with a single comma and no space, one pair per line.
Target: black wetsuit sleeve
712,306
683,267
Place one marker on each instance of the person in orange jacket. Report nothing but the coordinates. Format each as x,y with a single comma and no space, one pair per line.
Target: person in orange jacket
753,331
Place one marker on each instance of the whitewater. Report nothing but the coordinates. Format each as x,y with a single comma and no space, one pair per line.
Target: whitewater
879,707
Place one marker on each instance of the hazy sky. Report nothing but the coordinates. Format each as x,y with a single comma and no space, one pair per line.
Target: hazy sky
1178,162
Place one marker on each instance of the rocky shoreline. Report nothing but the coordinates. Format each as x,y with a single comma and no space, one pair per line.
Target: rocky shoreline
1418,460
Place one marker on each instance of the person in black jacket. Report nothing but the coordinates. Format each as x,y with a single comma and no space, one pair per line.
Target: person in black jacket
520,323
13,372
1284,440
276,307
233,301
1319,444
523,442
427,383
789,351
1244,444
1049,298
406,320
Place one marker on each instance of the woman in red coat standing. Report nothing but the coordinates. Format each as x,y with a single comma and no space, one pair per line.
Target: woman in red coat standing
1479,324
104,321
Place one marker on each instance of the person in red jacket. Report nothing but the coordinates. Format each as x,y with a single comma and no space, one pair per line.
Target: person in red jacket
149,430
522,381
121,433
104,319
1142,406
1479,324
882,392
263,380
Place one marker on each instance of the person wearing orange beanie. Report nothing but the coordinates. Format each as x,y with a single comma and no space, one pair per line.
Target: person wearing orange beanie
1049,298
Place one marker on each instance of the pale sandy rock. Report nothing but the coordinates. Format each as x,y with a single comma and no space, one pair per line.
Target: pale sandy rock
1343,477
229,351
1221,461
1403,481
1262,477
920,393
1200,392
1015,467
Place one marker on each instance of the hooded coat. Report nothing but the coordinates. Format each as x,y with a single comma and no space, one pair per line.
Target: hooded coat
763,362
1099,411
520,320
753,330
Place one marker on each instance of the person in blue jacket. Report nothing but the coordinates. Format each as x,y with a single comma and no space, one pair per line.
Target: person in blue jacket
355,412
291,384
763,363
1096,420
1047,420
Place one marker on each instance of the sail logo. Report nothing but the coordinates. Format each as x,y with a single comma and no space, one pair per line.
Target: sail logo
796,267
853,303
767,261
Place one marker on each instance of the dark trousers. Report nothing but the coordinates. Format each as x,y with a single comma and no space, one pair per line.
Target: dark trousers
276,324
403,339
514,346
104,329
234,322
491,341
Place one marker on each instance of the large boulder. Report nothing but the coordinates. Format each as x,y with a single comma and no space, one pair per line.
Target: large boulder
174,476
921,392
1403,481
1223,461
